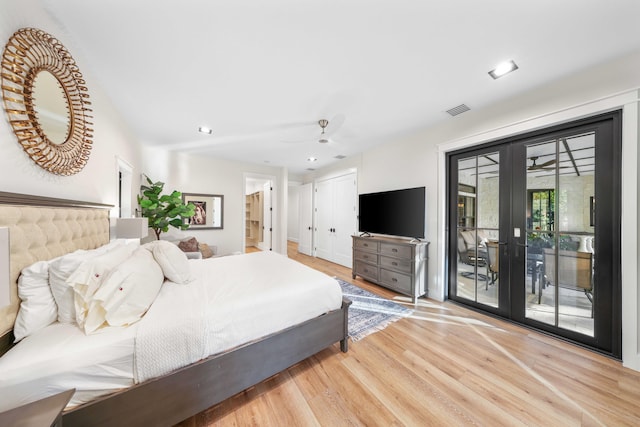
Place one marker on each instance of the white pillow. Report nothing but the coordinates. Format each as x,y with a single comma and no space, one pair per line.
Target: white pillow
59,271
86,279
37,308
126,294
172,260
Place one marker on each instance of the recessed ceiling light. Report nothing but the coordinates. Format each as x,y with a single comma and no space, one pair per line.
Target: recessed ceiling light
311,159
502,69
204,129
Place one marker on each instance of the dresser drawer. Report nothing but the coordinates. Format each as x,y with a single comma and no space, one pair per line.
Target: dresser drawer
399,251
367,271
366,257
400,282
366,245
402,265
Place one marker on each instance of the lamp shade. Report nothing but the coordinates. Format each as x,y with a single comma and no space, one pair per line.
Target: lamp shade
132,228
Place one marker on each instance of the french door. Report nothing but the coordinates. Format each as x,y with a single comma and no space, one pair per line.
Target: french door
527,240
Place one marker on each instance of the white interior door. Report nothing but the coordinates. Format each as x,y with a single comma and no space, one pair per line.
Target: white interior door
324,220
335,208
344,218
305,219
267,217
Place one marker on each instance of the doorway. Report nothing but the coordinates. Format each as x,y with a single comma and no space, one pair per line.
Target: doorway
527,240
259,202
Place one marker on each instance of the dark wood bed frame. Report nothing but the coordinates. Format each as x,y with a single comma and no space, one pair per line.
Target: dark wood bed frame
172,398
169,399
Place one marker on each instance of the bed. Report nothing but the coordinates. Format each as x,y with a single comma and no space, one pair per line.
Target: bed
163,392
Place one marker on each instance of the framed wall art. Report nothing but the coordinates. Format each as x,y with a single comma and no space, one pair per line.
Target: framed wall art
209,211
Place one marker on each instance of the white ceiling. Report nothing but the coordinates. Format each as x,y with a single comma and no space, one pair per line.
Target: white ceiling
263,72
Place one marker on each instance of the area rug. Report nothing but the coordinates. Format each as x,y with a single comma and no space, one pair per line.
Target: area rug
369,312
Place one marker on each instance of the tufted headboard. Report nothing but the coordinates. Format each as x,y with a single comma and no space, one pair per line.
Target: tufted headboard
42,228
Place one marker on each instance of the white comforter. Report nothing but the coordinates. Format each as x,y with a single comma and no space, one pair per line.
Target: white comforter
231,301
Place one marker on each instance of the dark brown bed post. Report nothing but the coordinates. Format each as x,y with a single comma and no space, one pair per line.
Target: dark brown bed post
344,343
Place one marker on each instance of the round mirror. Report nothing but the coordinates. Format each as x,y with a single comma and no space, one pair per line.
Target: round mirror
47,102
52,107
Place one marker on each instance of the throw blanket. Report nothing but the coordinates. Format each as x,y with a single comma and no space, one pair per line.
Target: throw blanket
173,333
232,300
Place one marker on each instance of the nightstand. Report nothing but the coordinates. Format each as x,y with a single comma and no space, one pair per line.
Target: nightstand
41,413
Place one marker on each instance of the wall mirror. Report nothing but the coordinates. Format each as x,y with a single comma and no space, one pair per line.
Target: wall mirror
209,210
46,100
52,107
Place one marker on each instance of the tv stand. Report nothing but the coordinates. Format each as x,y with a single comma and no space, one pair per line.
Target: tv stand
397,264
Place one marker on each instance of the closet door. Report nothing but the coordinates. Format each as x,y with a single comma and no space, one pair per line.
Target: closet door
344,218
335,206
305,219
324,220
267,218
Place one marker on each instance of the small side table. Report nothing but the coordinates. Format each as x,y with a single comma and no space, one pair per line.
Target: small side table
41,413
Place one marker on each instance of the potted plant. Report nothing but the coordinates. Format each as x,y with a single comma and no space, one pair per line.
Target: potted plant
163,210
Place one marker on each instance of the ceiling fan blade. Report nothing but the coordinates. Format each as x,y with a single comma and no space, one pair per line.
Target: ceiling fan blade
544,165
335,123
547,163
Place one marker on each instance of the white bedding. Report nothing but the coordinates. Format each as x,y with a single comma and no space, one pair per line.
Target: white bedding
231,301
252,296
61,357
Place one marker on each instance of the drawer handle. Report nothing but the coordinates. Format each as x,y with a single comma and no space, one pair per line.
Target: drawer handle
366,245
366,271
394,263
394,250
366,256
394,280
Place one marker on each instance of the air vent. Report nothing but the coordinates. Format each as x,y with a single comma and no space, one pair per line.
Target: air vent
340,157
310,169
458,110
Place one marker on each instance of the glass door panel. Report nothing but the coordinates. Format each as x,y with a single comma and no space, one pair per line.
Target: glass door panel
527,240
477,222
560,232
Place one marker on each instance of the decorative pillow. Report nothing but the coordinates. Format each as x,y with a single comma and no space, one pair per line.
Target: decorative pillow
172,260
38,308
126,293
90,274
189,245
205,250
59,271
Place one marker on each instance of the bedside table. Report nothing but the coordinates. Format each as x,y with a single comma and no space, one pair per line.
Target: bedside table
41,413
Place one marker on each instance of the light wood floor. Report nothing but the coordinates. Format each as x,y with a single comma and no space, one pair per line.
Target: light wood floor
445,365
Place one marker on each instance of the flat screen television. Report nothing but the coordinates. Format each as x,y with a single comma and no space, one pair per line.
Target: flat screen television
395,213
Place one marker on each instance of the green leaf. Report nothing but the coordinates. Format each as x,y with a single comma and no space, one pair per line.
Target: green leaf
163,210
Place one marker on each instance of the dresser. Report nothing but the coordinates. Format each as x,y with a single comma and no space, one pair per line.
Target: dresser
397,264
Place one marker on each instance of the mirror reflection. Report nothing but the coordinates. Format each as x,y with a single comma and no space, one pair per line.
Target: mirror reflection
51,106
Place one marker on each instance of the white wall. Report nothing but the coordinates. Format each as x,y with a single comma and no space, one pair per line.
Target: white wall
420,160
207,175
98,181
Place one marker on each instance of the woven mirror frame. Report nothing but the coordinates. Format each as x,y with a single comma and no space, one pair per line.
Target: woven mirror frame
29,52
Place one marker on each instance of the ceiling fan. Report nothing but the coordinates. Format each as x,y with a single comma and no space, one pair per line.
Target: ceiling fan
543,166
327,127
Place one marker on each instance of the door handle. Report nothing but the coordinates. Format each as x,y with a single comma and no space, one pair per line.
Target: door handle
520,245
505,246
